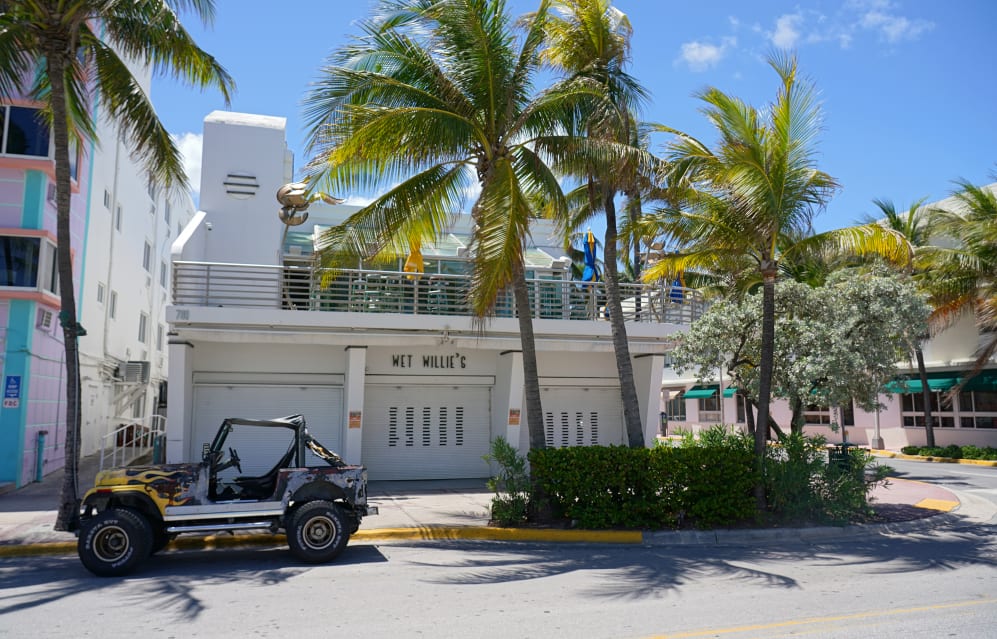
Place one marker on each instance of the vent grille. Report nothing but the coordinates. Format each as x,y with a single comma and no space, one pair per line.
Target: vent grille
241,186
44,321
135,371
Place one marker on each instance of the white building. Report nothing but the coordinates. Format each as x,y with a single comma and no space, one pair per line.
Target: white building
120,233
388,369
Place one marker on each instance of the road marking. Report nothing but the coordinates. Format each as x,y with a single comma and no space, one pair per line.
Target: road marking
712,632
937,504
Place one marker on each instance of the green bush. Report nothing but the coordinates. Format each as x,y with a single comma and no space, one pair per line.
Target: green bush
511,502
952,451
706,483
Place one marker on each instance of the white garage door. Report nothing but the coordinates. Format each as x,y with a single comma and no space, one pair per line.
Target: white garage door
426,432
322,407
582,416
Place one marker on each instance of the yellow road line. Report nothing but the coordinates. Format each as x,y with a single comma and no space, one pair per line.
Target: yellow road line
943,505
712,632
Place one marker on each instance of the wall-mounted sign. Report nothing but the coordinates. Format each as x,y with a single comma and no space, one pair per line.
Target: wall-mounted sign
12,391
356,417
453,361
514,417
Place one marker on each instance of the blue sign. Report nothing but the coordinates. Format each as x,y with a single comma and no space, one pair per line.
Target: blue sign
12,392
12,387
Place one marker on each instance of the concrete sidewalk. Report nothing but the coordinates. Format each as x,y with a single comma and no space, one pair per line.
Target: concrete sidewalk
459,509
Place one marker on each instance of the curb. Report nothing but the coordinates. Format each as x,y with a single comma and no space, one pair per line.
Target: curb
939,460
487,533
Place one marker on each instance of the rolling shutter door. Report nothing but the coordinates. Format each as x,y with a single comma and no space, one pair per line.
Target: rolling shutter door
582,416
322,407
426,432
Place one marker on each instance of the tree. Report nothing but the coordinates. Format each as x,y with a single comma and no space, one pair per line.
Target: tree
835,343
759,182
914,225
66,55
436,97
963,279
590,39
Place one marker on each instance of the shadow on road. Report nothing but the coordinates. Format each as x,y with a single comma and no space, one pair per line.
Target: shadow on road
642,572
167,581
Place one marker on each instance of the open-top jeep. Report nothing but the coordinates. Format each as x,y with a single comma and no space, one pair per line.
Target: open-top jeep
135,511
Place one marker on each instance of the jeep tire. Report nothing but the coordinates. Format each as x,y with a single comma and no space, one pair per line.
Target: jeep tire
318,532
114,541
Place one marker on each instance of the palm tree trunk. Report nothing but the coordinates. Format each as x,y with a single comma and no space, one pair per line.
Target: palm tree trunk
621,346
69,509
765,376
929,418
531,376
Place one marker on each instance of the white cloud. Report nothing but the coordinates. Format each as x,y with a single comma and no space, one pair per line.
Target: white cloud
700,56
190,145
894,28
787,31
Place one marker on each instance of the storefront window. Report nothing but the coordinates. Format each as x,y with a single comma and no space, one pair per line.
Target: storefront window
24,133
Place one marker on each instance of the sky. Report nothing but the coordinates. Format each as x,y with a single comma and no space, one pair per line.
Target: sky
907,86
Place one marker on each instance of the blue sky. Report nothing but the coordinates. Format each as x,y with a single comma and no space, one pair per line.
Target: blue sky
907,85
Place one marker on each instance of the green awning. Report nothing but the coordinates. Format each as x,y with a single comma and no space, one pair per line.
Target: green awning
699,392
913,386
985,381
730,391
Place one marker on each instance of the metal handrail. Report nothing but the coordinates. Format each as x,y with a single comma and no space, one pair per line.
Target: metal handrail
307,288
130,441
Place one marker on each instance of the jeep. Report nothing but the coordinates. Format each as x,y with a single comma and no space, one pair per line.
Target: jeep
133,512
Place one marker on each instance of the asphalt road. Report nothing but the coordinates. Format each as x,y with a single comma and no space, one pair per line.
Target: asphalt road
977,481
938,584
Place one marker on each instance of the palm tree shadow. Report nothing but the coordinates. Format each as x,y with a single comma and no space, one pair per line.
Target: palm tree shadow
170,579
651,572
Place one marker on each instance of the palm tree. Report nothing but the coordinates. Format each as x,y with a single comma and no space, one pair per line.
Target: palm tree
759,183
914,225
591,39
434,97
964,278
66,55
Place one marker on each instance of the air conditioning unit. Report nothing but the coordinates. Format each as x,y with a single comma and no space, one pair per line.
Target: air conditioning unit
134,371
44,321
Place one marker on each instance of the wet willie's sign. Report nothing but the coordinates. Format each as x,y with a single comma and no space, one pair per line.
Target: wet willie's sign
454,361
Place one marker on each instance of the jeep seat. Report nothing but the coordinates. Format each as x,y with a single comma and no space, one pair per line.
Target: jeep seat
263,486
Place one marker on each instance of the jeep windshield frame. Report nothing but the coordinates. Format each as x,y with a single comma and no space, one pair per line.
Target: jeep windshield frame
302,439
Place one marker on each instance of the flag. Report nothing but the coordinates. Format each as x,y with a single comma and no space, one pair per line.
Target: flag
414,263
591,272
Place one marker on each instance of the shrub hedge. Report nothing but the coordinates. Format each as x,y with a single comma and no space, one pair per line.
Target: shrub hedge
705,483
952,452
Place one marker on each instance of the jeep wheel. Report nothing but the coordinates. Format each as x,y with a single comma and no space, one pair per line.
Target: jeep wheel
318,532
114,541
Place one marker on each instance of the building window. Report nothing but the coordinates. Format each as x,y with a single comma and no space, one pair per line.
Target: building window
159,338
147,257
113,310
710,404
118,214
143,325
23,132
741,408
912,407
676,409
100,293
978,409
28,262
163,271
107,199
166,212
814,414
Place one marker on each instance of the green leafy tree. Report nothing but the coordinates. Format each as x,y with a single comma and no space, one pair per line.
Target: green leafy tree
434,98
590,39
67,56
834,343
758,185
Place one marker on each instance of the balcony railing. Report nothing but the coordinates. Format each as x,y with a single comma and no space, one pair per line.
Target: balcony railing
366,291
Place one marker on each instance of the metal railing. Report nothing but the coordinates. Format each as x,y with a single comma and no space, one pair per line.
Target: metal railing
369,291
130,441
